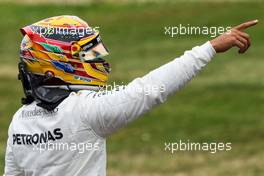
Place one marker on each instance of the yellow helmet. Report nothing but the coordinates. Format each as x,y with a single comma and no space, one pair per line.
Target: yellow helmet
64,50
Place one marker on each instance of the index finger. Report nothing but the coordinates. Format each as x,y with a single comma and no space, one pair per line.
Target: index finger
246,25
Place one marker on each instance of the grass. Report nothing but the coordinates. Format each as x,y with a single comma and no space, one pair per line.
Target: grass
223,104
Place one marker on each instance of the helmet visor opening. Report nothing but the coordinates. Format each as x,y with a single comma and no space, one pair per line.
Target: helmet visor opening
97,51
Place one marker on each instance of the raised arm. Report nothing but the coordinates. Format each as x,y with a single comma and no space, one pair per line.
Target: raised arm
109,111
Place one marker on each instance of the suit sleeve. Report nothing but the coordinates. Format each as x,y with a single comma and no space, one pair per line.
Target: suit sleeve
108,111
11,168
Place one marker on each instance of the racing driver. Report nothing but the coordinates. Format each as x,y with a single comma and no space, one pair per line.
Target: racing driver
63,71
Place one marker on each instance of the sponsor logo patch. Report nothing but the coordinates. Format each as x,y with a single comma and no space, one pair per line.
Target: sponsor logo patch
37,138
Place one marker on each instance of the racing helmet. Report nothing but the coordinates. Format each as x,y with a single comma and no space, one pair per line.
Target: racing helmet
62,51
66,51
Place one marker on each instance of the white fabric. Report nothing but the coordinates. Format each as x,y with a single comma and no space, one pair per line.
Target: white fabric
89,117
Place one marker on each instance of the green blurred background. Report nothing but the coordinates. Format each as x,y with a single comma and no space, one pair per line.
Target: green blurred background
225,103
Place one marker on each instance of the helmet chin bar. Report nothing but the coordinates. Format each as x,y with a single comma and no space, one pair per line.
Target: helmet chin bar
48,98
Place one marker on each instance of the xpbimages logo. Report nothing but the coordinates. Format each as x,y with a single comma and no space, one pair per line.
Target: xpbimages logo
73,32
80,147
212,147
212,31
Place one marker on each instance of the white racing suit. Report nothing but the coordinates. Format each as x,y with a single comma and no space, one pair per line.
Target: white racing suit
71,140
